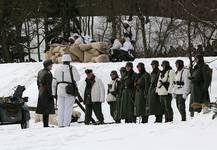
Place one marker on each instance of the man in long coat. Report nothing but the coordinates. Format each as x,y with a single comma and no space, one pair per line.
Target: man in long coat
200,81
153,106
141,85
45,104
127,94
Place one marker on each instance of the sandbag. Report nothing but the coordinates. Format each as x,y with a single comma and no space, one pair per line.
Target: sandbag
48,55
88,57
57,54
55,50
94,52
62,52
85,47
59,60
54,59
75,50
102,58
93,59
100,46
75,58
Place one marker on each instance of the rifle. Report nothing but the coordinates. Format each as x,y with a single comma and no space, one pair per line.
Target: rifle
83,109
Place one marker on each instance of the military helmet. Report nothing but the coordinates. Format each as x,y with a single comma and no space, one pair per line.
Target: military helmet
142,65
129,64
47,63
199,57
180,63
155,62
114,72
165,63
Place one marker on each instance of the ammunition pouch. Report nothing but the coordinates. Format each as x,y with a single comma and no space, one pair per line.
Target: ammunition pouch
181,83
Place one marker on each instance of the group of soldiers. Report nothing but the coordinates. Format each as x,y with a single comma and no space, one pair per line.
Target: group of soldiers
142,94
130,96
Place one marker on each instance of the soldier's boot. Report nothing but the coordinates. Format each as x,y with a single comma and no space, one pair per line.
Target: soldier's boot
45,120
183,117
158,119
127,121
117,121
192,114
145,119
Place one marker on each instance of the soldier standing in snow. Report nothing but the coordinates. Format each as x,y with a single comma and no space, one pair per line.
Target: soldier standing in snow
200,82
153,106
94,96
181,87
45,104
62,79
164,89
127,94
113,88
118,97
142,83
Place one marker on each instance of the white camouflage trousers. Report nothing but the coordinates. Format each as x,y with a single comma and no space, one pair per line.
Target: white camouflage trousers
65,108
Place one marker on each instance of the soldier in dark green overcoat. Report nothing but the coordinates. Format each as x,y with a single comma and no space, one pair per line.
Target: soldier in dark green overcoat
45,104
142,83
153,106
200,81
127,94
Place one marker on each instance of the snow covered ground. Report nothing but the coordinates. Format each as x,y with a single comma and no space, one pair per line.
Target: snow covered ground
197,133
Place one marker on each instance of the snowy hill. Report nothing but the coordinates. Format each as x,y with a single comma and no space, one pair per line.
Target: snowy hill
197,133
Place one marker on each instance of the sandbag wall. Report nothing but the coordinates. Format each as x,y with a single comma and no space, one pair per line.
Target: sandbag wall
92,52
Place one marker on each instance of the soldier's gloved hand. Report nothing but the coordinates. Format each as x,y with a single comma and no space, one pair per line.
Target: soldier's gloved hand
184,96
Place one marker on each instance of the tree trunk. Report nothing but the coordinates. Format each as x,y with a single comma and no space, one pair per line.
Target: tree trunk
46,32
92,27
114,29
144,38
19,47
28,41
5,48
38,39
88,25
104,32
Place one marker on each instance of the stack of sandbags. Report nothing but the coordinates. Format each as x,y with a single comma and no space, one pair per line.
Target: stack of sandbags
100,58
94,50
79,52
103,47
57,50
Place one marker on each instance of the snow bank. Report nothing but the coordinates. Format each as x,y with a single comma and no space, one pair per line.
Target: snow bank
198,133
